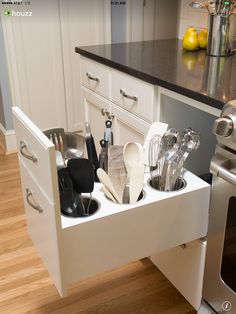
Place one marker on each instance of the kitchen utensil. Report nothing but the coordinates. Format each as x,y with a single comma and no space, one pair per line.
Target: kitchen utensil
136,181
105,180
108,134
116,169
170,144
190,141
75,145
71,145
82,173
108,194
200,5
197,5
157,128
153,153
58,137
103,157
69,199
60,162
91,149
132,152
211,6
126,196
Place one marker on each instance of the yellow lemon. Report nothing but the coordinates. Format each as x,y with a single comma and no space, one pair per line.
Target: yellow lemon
202,38
190,40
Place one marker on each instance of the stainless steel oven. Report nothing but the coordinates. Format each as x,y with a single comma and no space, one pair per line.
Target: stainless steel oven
219,287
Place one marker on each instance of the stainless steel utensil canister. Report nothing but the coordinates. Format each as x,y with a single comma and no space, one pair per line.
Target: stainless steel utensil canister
219,35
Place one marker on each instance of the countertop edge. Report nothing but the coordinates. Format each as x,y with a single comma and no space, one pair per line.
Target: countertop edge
152,80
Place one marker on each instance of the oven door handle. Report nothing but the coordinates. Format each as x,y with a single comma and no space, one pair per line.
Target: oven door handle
226,175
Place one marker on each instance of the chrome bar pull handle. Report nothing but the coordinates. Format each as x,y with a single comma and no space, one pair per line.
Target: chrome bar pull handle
123,93
93,78
31,157
36,207
226,175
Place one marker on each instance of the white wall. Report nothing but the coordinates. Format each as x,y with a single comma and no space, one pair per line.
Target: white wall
5,94
191,17
166,19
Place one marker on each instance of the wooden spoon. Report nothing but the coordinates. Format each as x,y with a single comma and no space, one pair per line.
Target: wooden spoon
105,180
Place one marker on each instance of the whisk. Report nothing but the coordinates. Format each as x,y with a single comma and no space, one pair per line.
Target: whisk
153,154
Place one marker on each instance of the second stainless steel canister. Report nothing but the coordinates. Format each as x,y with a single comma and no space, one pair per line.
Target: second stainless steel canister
220,37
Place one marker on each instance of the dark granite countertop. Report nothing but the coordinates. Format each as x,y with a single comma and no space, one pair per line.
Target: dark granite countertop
211,80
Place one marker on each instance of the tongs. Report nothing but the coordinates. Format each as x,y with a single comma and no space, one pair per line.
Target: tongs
103,157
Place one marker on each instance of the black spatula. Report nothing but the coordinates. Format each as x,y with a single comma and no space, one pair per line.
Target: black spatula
69,199
81,171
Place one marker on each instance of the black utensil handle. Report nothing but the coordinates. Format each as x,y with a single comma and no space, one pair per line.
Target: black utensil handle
103,143
94,154
108,123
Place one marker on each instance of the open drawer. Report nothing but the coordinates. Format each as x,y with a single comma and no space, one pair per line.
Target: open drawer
116,234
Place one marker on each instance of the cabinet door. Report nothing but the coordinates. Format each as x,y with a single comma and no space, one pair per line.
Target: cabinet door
83,23
128,127
93,105
36,64
40,193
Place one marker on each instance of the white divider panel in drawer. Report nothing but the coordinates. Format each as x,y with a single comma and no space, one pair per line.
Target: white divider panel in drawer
118,234
95,76
133,94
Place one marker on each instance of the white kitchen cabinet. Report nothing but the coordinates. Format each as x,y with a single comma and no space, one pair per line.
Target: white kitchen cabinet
76,248
101,88
44,70
133,95
93,106
128,127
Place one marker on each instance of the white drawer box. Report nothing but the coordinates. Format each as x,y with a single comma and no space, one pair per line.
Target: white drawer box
184,268
133,94
96,77
115,234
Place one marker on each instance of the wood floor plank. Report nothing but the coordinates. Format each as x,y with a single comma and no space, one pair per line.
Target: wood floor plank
25,286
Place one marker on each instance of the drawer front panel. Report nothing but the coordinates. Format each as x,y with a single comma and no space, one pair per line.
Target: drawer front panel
96,77
44,225
133,95
118,234
36,151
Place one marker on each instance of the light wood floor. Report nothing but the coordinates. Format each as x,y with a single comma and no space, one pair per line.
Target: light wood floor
25,286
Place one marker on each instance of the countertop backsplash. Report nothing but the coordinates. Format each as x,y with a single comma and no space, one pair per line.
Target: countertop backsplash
191,17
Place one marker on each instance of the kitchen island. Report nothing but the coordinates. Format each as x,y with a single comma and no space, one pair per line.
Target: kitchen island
169,84
210,80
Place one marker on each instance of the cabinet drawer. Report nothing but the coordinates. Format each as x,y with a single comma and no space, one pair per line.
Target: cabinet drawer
44,225
133,95
76,248
35,150
184,268
96,77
